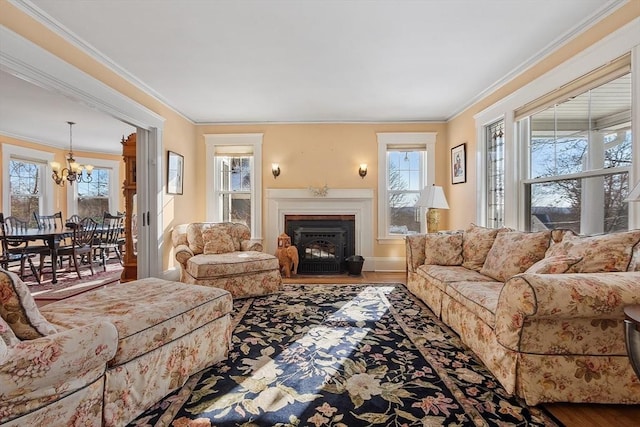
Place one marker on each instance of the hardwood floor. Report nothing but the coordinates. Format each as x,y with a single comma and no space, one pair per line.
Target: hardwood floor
570,414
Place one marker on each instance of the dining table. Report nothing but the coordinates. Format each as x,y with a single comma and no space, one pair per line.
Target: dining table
50,236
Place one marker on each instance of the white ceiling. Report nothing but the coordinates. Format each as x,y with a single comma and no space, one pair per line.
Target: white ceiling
250,61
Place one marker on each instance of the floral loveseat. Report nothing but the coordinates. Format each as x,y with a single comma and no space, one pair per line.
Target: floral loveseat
224,256
103,357
543,310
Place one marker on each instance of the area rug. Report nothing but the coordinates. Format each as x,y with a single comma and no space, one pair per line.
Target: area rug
69,284
342,355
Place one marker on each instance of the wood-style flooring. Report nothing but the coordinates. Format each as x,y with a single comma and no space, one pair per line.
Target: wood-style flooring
570,414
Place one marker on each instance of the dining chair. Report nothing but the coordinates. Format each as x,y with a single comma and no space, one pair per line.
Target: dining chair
81,247
48,221
73,219
16,250
111,237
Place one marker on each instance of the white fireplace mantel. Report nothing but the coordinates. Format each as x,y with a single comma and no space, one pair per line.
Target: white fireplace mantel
357,202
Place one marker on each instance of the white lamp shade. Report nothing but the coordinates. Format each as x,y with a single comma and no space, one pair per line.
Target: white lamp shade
432,197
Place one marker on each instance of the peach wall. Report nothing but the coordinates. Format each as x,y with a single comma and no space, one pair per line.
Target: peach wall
462,197
319,154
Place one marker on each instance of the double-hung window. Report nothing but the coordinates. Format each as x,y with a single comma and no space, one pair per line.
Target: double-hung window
234,170
407,163
27,186
579,147
92,199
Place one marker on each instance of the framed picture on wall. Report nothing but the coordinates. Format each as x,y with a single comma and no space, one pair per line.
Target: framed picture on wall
175,170
459,164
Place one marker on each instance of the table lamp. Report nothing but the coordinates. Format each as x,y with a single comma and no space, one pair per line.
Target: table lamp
432,198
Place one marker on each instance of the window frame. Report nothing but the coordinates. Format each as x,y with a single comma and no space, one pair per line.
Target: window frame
388,141
114,184
14,152
622,41
252,140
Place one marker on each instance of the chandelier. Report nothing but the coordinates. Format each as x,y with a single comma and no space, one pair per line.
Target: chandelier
74,170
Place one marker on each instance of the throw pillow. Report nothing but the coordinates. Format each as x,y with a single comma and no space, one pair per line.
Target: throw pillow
557,264
19,310
6,334
443,249
513,252
217,241
476,242
600,254
194,237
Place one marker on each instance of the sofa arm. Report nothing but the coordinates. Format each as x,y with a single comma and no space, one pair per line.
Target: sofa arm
251,245
50,367
183,253
415,248
562,299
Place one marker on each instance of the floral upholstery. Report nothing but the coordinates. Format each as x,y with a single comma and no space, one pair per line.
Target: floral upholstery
548,334
245,271
513,252
443,249
604,253
69,364
7,336
19,310
476,244
118,351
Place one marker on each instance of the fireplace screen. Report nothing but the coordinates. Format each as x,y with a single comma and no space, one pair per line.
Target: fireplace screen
320,249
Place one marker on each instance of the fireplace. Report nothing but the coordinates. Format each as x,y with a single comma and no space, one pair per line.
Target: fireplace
356,205
323,241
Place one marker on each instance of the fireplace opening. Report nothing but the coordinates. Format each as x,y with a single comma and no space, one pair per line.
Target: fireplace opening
324,242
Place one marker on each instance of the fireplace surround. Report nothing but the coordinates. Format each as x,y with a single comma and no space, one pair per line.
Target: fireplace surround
352,203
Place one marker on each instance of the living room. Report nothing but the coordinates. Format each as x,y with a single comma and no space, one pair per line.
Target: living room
316,157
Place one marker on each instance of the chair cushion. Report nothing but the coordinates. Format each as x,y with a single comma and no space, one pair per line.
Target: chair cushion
232,263
513,252
479,298
19,309
148,313
600,254
443,248
217,241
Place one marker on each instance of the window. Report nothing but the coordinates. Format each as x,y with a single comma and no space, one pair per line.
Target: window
234,188
580,153
102,194
93,197
25,187
495,174
409,164
234,167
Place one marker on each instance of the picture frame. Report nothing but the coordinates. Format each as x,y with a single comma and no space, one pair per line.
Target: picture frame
175,173
459,164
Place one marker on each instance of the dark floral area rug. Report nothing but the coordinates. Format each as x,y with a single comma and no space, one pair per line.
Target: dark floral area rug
342,355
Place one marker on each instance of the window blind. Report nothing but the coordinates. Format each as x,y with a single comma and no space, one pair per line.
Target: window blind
608,72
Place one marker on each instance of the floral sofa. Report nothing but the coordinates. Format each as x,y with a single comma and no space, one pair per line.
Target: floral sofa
105,356
542,310
224,256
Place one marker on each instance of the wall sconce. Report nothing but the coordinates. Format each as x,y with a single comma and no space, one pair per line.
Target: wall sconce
275,170
363,170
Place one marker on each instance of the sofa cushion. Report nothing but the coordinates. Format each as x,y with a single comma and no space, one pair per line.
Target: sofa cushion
6,334
217,241
514,252
479,298
557,264
600,254
228,264
443,248
441,275
476,243
148,313
19,310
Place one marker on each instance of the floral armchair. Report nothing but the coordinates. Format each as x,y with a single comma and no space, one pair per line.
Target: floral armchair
223,255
